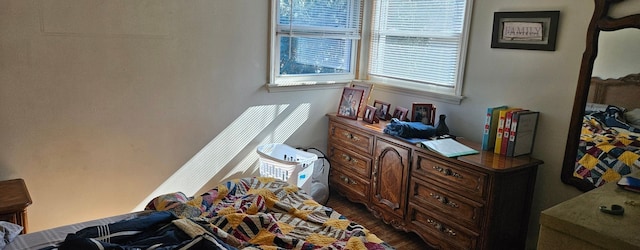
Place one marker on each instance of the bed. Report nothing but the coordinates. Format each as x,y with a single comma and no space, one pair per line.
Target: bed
247,213
609,144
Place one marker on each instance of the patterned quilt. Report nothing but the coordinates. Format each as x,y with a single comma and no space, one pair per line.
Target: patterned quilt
265,213
605,153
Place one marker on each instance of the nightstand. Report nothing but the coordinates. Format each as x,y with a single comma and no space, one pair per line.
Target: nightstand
14,200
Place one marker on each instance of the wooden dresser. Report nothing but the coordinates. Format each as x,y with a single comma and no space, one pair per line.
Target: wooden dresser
479,201
579,224
14,200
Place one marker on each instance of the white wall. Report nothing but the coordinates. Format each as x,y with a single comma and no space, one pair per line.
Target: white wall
617,54
106,104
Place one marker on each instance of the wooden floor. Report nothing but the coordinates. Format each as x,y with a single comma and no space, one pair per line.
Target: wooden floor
359,213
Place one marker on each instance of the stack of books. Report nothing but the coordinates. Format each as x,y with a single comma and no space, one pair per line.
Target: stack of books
509,131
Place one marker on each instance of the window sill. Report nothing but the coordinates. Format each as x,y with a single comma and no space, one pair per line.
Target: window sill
274,88
382,86
432,94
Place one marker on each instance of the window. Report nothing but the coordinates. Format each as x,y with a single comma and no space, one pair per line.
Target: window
419,42
413,44
315,40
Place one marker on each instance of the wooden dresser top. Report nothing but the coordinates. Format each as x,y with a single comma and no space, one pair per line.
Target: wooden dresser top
485,159
14,196
580,217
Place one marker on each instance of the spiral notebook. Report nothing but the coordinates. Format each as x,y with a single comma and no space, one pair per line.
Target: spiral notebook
449,147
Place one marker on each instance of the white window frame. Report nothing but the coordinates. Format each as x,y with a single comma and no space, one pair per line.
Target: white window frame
278,83
403,87
406,87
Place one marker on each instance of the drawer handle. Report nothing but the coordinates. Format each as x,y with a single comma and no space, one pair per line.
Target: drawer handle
350,136
347,180
441,228
447,172
348,158
444,200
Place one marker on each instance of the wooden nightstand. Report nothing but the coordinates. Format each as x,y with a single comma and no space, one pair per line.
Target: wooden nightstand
14,200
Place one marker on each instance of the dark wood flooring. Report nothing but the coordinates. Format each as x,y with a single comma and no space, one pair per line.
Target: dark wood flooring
359,213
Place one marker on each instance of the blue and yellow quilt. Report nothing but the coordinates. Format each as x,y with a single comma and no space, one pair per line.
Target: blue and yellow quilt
606,152
265,213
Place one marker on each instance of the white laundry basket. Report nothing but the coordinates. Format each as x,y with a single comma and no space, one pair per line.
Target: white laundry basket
288,164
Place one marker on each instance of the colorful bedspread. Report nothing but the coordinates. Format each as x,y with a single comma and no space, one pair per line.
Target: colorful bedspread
265,213
605,153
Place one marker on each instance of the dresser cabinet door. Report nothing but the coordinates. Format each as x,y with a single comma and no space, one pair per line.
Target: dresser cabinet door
390,178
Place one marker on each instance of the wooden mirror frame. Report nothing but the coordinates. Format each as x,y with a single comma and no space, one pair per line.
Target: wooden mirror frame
600,21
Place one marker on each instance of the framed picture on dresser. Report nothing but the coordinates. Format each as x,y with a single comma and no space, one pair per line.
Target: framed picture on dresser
400,113
382,109
423,112
369,114
350,103
367,87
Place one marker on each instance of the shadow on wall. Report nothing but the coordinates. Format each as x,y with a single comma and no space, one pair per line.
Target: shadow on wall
233,152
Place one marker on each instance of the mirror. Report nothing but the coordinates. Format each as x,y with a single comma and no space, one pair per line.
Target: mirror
612,40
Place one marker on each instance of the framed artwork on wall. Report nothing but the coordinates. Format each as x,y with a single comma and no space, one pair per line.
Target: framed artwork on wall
533,30
350,103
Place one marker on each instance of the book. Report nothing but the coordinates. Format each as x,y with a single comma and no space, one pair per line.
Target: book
512,133
500,130
490,127
448,147
524,136
630,183
506,130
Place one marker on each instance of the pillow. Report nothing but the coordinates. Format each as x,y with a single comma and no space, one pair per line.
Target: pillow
633,117
8,231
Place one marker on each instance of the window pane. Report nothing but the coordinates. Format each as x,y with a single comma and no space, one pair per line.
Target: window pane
416,59
418,40
319,16
309,55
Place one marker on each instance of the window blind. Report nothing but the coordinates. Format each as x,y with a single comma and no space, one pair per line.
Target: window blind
317,37
319,18
418,40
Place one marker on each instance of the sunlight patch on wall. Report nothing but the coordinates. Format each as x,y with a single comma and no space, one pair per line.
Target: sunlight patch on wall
279,134
267,123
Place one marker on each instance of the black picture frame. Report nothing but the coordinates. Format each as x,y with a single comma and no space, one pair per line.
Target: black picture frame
538,30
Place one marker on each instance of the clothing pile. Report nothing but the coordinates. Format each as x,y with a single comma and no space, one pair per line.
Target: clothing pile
409,129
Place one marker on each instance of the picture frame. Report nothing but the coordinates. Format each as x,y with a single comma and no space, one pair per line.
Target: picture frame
423,112
367,87
400,113
540,30
349,105
382,109
369,114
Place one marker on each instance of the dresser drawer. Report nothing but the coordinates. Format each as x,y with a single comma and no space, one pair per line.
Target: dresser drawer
349,161
462,210
13,218
350,138
466,181
355,188
442,234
